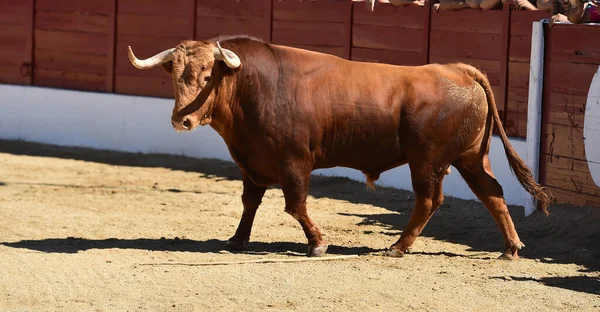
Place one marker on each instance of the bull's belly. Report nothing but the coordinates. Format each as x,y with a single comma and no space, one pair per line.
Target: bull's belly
370,159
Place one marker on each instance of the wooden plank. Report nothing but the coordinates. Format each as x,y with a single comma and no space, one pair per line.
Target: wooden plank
518,74
386,14
563,141
232,8
80,6
330,34
504,59
147,86
309,11
387,56
14,37
468,22
337,51
232,26
564,109
471,45
568,197
387,38
68,41
69,21
28,53
348,31
156,26
13,74
156,7
515,125
520,33
14,12
12,57
70,61
68,80
110,53
575,44
568,77
570,174
426,32
516,112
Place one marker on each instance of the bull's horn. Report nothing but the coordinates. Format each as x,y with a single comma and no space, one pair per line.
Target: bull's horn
228,56
162,57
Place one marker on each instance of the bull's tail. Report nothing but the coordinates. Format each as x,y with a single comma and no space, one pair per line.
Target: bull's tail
517,165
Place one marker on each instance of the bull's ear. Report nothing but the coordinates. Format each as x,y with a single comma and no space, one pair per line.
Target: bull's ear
167,67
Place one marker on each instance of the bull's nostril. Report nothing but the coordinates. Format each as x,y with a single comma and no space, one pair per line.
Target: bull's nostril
187,124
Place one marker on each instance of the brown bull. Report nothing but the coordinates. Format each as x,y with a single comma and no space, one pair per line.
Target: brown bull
284,112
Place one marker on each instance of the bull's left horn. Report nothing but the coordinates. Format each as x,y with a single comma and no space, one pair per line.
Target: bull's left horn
153,61
228,56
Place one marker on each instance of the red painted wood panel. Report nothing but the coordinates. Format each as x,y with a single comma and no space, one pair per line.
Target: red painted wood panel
468,21
70,61
571,175
155,26
14,74
16,18
582,46
232,8
466,45
521,23
569,77
410,17
67,21
309,11
85,7
387,38
13,12
69,41
311,23
155,7
387,56
144,85
59,78
205,27
13,37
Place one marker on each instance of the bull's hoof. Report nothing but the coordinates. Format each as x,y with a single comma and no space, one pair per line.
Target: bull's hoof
317,251
512,253
237,245
394,252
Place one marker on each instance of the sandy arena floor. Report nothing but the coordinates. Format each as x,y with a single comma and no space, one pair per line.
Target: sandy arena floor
89,230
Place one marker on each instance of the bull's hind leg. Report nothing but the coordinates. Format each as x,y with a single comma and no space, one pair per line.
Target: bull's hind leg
429,196
294,184
478,174
251,199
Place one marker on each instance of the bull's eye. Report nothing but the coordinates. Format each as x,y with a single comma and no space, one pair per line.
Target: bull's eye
202,67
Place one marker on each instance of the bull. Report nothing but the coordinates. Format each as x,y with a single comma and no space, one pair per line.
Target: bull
284,112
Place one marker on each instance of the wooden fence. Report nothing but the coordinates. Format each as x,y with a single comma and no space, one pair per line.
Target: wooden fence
82,45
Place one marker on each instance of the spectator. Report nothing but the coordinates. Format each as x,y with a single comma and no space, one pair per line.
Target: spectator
575,11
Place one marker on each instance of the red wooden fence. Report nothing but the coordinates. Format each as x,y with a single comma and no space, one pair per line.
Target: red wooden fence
82,45
572,58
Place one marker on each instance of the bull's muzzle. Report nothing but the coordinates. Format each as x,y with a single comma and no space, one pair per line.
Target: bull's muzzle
182,125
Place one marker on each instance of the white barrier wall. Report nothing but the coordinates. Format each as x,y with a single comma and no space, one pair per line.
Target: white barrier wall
142,124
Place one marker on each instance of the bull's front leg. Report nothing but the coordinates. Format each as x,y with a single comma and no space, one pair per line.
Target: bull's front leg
251,199
294,184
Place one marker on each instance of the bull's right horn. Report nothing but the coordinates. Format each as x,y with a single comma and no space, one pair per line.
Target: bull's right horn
162,57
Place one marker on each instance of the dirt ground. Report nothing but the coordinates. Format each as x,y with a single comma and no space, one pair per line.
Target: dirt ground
90,230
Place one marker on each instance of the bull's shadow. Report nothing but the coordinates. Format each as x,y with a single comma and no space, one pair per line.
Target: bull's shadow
75,245
569,235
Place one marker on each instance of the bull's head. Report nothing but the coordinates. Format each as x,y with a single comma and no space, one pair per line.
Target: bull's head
191,64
